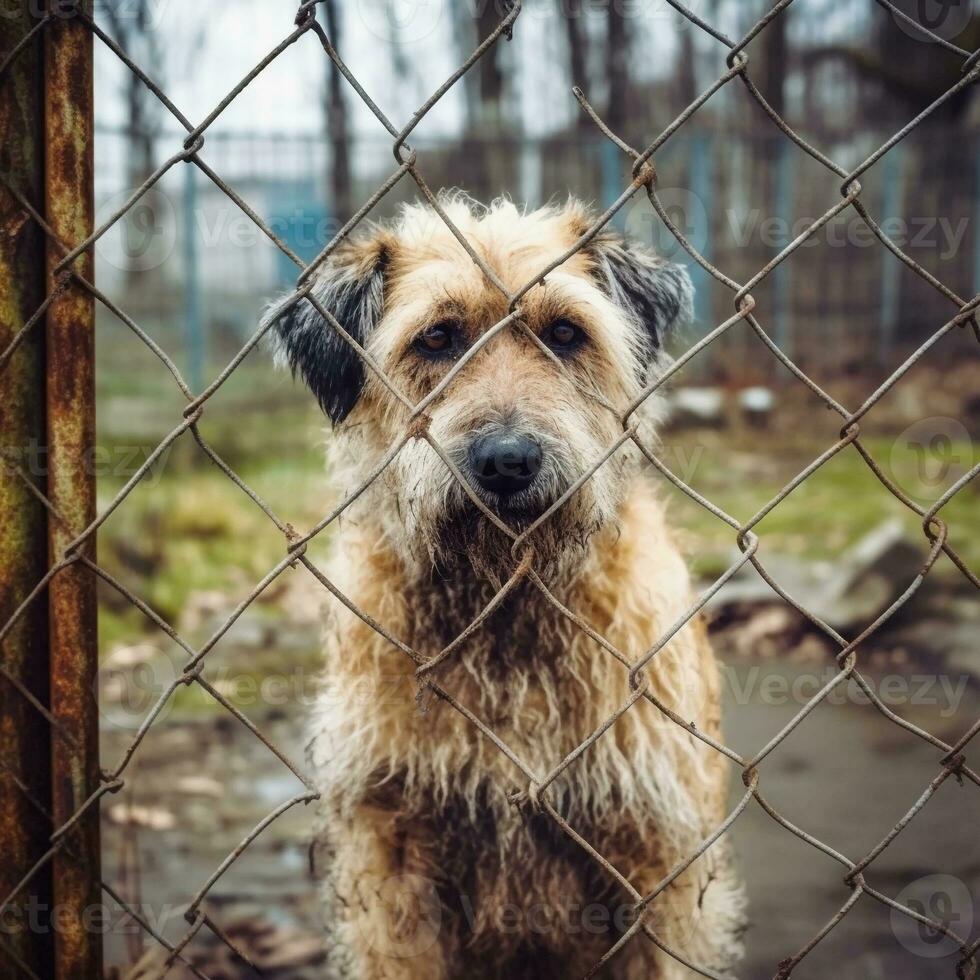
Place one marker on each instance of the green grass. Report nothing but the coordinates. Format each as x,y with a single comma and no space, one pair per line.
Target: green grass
826,514
187,529
196,531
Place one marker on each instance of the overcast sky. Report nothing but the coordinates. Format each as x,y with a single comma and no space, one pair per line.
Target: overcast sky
399,49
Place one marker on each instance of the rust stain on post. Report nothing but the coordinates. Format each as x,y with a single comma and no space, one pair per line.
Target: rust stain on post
69,207
24,735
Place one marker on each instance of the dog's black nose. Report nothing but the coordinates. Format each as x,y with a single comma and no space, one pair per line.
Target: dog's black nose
505,463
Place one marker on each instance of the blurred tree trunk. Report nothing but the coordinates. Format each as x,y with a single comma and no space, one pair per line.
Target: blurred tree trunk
490,77
914,71
900,74
130,25
617,67
487,154
772,78
403,67
907,73
687,76
338,134
578,70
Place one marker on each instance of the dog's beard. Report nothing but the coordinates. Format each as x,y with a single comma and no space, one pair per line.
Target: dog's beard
464,536
439,525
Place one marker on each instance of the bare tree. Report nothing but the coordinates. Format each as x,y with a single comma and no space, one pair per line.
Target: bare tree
617,66
129,22
402,66
337,123
578,71
900,72
686,80
486,157
489,73
775,64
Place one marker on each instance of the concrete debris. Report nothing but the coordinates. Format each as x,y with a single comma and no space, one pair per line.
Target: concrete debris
698,407
847,594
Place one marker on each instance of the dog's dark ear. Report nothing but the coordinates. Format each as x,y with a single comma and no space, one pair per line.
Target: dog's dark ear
659,294
350,286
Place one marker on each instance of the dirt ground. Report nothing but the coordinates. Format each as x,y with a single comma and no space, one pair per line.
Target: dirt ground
846,775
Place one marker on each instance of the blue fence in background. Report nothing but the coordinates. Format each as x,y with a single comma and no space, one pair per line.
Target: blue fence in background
739,196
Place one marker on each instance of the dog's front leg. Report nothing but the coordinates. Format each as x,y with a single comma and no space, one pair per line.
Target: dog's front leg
385,916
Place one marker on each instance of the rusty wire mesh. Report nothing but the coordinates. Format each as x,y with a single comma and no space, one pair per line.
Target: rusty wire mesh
950,761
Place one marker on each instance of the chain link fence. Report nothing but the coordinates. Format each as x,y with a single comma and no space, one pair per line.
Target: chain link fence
839,317
65,849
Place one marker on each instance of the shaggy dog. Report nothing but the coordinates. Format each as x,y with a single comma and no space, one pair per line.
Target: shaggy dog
432,866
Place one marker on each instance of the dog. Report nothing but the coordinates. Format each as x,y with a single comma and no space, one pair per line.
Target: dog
437,856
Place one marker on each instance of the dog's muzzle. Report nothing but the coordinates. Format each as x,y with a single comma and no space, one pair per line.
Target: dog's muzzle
504,462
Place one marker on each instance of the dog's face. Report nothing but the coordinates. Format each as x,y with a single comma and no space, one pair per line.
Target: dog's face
520,421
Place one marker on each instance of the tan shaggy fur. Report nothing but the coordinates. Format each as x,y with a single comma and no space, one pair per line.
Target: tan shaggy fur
428,869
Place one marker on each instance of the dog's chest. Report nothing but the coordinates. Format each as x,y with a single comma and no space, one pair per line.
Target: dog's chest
521,628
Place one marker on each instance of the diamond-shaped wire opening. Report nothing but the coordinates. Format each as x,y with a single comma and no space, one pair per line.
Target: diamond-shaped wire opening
737,67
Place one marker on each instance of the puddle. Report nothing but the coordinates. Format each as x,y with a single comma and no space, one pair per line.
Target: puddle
846,775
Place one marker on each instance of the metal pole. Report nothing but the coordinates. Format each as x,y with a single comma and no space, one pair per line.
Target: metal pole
893,199
192,284
782,275
702,176
610,177
976,219
531,166
70,355
25,774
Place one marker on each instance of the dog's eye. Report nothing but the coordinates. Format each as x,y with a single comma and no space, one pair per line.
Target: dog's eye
563,335
437,340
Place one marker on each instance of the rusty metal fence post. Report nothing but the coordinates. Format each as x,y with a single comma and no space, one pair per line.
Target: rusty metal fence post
49,725
47,612
70,375
24,732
